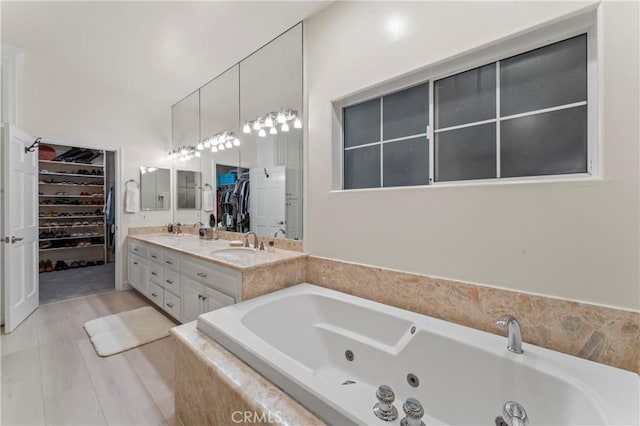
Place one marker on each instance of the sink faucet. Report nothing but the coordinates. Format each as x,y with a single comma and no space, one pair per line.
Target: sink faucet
275,234
177,228
255,239
515,337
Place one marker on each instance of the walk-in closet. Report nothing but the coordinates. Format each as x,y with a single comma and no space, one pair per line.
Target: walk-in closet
76,221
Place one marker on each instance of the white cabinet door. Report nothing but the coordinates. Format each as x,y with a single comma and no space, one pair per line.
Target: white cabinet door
142,276
132,270
294,219
191,299
215,300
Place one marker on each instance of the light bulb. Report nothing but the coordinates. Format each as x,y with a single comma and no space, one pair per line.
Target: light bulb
256,125
228,144
236,142
273,131
262,133
197,153
297,123
207,143
200,146
221,147
284,127
214,149
183,151
246,128
281,117
268,122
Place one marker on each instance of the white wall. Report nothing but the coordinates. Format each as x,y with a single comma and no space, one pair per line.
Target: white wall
577,240
56,102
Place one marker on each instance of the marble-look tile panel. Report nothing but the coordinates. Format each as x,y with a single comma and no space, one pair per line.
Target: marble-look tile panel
601,334
213,385
142,230
257,282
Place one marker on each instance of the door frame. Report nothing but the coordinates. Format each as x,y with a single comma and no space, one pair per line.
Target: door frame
119,284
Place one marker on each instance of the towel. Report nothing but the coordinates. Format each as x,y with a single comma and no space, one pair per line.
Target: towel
207,195
132,200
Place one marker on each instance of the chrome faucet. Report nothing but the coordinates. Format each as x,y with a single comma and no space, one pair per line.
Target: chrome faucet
177,228
514,414
275,234
515,336
255,239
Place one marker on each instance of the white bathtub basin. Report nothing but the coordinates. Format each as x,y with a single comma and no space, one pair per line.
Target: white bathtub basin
297,338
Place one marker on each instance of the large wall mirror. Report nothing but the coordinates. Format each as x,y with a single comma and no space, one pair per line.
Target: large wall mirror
155,188
271,150
243,132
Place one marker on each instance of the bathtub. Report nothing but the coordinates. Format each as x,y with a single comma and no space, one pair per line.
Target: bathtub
298,339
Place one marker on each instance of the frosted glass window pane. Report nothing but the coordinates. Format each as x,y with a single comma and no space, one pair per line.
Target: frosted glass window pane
406,113
362,123
467,153
466,97
406,162
544,144
550,76
362,167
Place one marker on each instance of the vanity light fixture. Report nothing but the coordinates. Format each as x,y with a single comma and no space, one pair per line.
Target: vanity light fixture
228,144
268,121
197,154
214,149
273,131
262,133
284,127
236,142
282,118
182,153
221,147
297,123
272,120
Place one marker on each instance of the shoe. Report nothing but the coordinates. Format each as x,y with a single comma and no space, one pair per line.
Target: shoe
75,265
65,266
91,263
58,266
99,262
48,266
82,264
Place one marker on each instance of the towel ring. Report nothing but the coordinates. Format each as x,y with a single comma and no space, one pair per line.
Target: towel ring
206,184
132,180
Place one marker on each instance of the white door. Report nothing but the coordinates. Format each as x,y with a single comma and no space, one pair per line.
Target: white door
191,299
20,254
267,200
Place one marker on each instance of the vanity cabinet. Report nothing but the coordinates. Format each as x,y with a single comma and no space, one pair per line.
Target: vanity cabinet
182,285
138,273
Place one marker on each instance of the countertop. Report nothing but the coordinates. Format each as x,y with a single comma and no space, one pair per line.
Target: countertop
194,246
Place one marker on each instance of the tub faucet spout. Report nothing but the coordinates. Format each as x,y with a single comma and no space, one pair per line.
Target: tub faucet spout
514,414
515,336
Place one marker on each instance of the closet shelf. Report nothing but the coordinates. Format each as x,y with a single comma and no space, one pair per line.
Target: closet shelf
65,226
70,217
72,205
71,174
70,238
69,163
71,196
70,184
71,248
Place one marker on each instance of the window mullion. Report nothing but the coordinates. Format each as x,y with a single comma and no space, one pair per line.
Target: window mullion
381,138
498,171
430,133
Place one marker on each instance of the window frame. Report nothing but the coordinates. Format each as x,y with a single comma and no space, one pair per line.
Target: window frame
584,23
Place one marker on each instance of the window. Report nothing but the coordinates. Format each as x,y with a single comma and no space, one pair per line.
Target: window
519,117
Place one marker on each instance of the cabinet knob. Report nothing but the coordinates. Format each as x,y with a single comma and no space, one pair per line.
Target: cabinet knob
135,249
154,256
169,304
201,274
169,281
154,295
169,262
153,273
135,263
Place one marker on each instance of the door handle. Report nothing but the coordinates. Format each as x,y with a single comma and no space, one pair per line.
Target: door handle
153,273
202,274
154,295
16,239
169,304
169,281
169,262
135,263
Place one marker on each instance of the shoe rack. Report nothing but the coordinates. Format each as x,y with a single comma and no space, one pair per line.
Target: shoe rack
72,192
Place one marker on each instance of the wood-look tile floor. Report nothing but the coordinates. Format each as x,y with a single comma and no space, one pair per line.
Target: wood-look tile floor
51,374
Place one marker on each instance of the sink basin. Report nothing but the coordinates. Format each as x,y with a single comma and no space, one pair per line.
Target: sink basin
233,253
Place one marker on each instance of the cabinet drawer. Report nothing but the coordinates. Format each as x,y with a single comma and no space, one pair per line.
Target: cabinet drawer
171,281
138,248
156,294
222,279
172,304
155,273
155,254
171,259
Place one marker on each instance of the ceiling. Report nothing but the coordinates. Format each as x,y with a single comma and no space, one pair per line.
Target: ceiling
160,50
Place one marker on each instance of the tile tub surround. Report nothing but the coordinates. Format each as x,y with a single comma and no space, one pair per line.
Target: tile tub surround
256,282
194,246
213,385
602,334
280,243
